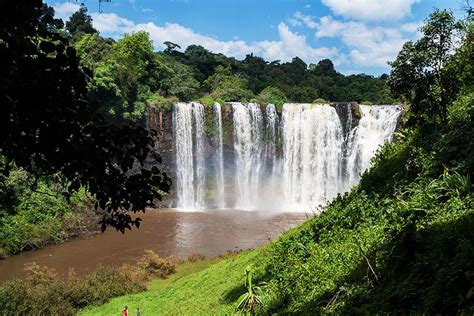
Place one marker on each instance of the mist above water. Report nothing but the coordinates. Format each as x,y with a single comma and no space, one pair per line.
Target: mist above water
293,162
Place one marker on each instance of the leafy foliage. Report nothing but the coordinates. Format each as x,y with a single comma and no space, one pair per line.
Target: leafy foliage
49,126
252,299
65,296
272,95
226,86
420,73
80,23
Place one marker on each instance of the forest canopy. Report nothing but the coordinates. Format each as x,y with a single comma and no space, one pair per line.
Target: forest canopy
128,74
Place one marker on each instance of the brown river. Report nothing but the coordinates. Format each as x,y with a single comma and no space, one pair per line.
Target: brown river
165,231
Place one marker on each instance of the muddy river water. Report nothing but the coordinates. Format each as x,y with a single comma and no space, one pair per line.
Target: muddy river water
165,231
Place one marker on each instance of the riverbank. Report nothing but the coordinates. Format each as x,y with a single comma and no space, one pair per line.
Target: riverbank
167,232
47,218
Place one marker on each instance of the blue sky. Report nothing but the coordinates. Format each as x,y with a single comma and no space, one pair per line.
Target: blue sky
357,35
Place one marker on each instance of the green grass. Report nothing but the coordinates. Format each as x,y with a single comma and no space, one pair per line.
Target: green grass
200,287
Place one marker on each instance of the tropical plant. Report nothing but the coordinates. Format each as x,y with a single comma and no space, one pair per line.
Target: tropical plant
252,299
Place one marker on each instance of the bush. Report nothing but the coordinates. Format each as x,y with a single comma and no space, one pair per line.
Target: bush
163,103
272,95
154,265
320,101
207,100
40,217
43,292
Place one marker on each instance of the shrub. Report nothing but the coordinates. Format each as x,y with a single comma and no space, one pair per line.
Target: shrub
154,265
42,292
272,95
207,100
163,103
320,101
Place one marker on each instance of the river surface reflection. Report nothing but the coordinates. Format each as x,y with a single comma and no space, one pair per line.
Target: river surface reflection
165,231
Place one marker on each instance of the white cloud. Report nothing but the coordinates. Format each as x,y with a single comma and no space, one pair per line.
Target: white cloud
307,20
295,22
147,10
289,45
368,46
65,10
111,23
371,9
411,27
307,6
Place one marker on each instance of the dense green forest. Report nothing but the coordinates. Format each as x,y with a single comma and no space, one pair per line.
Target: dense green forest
401,242
128,74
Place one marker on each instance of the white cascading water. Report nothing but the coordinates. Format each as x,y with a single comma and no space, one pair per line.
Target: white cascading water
272,163
182,127
247,148
220,197
376,126
312,142
200,172
293,164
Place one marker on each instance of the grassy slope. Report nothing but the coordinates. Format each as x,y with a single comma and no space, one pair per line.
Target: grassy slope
198,287
411,218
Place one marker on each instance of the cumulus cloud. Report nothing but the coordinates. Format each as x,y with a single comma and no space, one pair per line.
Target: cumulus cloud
289,45
307,20
368,46
411,27
371,9
65,10
111,23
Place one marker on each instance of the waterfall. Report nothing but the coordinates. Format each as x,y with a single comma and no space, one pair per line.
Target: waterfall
247,148
376,126
271,159
294,161
200,179
312,142
219,161
182,126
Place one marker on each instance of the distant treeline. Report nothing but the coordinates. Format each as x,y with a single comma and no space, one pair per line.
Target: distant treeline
128,74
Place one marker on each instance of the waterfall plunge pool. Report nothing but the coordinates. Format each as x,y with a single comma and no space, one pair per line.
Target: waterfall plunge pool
167,232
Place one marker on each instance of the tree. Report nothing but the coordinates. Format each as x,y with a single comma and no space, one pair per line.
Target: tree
420,72
178,79
80,23
272,95
93,48
228,87
47,20
48,126
324,67
170,47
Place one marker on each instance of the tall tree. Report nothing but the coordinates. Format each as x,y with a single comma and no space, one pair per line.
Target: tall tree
420,73
48,126
80,23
